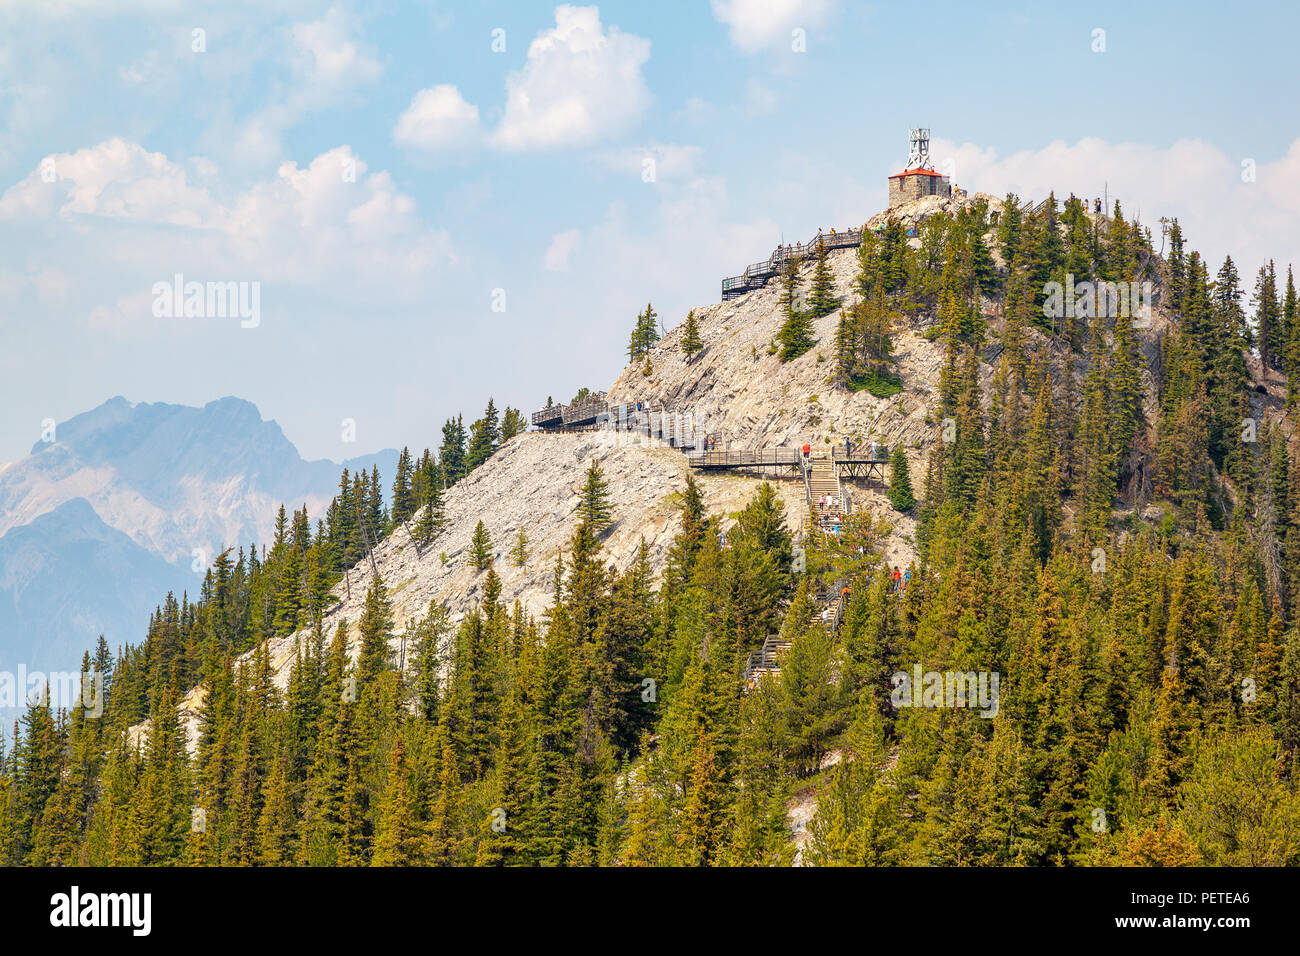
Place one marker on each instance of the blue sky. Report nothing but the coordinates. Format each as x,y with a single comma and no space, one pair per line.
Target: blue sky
385,175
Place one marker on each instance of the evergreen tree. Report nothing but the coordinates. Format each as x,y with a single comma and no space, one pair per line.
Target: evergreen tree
691,342
404,502
399,831
513,422
796,335
376,627
900,482
481,548
451,455
645,333
431,517
485,436
519,553
594,506
821,294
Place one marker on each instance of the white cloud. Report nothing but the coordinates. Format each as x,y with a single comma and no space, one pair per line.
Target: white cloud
1191,179
562,246
759,100
327,58
329,225
680,249
671,161
115,179
580,83
438,118
754,25
328,65
696,110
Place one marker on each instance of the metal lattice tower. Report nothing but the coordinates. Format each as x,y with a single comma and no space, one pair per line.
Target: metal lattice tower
918,155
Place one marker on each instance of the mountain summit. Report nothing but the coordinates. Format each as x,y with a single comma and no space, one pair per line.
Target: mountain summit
141,491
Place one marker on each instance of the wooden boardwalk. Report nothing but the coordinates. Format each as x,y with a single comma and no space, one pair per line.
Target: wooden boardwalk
634,418
756,275
867,463
778,459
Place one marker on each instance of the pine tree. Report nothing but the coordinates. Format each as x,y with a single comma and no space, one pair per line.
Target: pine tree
485,436
404,502
1269,330
376,627
645,333
691,342
796,335
1291,327
513,422
900,482
821,294
519,553
451,456
594,506
481,548
431,517
399,838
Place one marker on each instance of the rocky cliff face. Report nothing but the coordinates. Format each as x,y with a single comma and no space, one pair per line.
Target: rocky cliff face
99,524
532,482
735,389
172,477
740,391
48,592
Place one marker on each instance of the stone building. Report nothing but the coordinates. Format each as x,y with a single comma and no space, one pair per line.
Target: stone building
918,177
915,183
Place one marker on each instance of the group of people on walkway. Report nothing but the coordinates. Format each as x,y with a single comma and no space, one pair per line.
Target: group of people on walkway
898,580
830,514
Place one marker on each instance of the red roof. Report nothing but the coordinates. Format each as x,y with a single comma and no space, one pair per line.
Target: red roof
915,172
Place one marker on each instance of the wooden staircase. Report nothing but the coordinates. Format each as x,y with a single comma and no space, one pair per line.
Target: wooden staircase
765,660
823,478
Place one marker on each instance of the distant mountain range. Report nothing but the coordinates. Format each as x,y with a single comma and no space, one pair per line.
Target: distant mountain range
97,526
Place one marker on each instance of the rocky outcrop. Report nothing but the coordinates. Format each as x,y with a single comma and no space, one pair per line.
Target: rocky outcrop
533,482
736,388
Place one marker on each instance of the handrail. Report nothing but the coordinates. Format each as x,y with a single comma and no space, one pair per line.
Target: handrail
744,457
757,273
550,413
882,451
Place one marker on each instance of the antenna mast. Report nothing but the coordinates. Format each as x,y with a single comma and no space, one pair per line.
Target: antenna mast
918,154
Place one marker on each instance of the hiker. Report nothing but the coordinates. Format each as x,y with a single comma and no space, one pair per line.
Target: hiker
898,576
848,448
907,578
